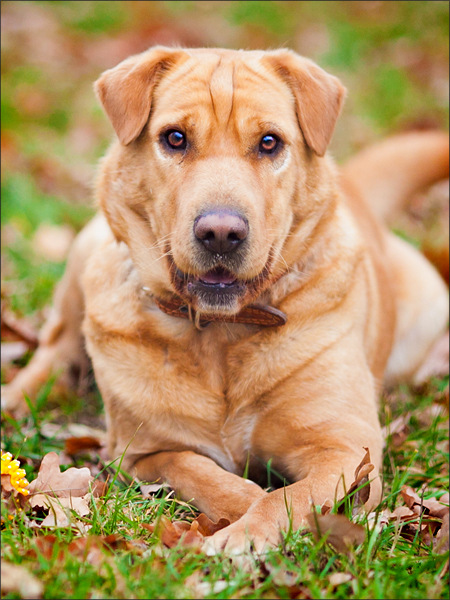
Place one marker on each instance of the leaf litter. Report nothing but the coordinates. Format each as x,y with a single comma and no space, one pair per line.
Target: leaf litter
65,498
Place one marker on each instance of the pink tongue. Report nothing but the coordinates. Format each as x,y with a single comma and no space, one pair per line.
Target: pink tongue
218,276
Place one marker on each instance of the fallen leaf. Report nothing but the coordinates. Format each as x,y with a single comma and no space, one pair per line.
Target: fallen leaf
397,430
50,480
281,575
206,527
89,548
341,533
411,498
423,518
204,589
74,445
403,513
45,545
172,533
62,494
7,486
359,491
58,432
16,579
337,579
441,541
60,510
147,490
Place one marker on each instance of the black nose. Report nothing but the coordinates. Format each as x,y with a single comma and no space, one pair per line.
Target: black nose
221,231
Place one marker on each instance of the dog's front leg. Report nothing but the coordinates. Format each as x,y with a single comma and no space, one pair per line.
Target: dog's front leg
197,478
284,509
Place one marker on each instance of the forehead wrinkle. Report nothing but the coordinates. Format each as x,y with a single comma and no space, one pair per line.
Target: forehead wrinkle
221,90
257,75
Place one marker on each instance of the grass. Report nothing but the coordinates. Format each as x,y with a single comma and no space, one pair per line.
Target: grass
386,565
53,133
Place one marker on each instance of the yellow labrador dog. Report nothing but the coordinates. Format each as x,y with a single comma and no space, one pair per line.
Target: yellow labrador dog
237,294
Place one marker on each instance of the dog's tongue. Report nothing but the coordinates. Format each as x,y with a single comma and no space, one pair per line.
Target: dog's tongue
218,276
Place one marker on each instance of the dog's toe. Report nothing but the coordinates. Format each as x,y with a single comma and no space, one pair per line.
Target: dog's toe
242,537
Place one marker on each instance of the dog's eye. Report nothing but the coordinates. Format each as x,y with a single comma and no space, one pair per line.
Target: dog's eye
269,143
175,139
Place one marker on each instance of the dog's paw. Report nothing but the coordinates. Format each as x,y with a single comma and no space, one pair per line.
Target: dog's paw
246,535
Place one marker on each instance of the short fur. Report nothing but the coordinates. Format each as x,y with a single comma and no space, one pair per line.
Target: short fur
193,406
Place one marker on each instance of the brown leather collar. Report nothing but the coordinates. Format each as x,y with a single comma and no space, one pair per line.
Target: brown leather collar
254,314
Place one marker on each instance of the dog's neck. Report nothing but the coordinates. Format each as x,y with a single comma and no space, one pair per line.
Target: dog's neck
253,314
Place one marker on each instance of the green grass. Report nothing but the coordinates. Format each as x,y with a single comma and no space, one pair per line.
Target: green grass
386,565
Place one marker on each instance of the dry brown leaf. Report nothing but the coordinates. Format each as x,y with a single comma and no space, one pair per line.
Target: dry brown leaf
341,533
435,508
441,541
177,532
424,518
60,510
55,431
62,494
147,490
359,497
45,545
6,484
281,575
90,548
74,445
50,481
411,497
173,533
431,506
16,579
336,579
206,527
403,513
204,589
397,430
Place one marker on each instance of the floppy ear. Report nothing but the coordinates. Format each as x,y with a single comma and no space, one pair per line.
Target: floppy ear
126,90
318,96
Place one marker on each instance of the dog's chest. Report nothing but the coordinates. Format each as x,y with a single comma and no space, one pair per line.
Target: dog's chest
230,370
179,387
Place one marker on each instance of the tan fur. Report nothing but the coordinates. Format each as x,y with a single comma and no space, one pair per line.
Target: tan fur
197,407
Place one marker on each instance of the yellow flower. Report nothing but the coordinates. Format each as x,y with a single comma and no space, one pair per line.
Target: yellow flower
16,474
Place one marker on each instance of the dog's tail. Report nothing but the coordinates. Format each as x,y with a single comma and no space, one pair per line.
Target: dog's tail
389,172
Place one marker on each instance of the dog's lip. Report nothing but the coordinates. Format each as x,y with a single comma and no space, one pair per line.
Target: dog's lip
219,277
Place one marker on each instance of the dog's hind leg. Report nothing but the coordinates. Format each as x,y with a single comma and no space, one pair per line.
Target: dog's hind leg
61,345
422,311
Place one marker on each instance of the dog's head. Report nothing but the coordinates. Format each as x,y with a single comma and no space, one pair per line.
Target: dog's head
218,161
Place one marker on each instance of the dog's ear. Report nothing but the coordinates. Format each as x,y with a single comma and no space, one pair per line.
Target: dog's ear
126,90
318,96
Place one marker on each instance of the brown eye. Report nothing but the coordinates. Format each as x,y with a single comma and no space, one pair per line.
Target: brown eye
175,139
269,143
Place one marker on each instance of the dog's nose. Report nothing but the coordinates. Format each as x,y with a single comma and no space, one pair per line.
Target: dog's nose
221,231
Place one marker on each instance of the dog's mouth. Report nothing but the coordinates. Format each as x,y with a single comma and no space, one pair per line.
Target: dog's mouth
217,290
218,278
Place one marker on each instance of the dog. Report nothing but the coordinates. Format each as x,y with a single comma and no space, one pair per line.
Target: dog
239,296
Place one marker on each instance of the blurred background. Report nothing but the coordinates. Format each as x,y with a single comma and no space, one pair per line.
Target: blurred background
391,56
